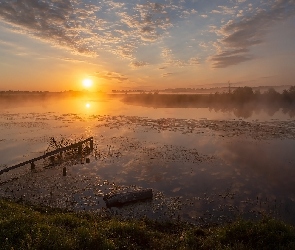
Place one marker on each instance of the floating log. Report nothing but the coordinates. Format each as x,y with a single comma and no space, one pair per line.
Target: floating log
126,197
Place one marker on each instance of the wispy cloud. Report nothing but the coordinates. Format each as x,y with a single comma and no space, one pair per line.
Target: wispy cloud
118,27
138,64
73,60
240,36
112,76
54,21
184,31
171,60
167,74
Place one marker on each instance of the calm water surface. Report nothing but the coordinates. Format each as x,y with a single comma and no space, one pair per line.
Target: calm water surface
205,165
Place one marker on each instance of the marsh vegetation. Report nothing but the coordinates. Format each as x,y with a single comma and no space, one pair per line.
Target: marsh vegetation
35,227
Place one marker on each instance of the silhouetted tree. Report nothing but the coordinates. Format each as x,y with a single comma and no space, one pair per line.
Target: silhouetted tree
243,94
272,96
257,93
289,95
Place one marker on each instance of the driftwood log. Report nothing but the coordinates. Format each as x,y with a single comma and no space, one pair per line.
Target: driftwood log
120,199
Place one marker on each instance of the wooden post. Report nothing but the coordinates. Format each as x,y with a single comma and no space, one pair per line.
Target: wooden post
64,171
91,144
80,149
33,165
52,159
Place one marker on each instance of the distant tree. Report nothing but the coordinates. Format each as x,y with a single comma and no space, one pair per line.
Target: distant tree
243,94
257,92
271,92
271,95
289,95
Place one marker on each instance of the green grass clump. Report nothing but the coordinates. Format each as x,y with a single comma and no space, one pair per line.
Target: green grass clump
29,227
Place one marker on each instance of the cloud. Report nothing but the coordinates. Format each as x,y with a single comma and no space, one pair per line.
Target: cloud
111,76
14,48
148,21
216,12
167,74
225,10
239,36
53,21
126,27
73,60
194,61
7,45
225,61
118,27
171,60
125,51
86,28
137,64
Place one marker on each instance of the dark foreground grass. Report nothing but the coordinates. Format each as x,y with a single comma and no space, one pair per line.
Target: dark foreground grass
27,227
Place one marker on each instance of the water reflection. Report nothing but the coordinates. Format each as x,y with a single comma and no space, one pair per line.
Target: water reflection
110,104
239,107
198,165
265,165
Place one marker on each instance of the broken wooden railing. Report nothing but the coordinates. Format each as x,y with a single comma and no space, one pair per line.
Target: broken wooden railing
51,153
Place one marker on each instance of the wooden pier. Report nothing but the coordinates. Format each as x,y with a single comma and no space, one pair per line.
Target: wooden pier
51,153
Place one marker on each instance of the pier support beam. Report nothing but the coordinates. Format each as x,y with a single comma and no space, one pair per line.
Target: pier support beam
58,152
80,149
91,144
33,166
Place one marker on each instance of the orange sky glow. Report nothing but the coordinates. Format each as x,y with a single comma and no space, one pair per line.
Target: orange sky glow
55,45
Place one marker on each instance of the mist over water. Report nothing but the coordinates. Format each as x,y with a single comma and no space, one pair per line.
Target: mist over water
204,164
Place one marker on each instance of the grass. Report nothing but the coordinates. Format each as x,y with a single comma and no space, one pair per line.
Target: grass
31,227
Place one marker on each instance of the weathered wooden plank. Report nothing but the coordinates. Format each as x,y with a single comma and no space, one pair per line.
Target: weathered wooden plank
126,197
54,152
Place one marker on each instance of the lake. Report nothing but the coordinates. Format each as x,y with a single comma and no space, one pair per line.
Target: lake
204,165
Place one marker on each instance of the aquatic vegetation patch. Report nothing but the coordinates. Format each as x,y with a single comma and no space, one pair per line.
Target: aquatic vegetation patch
229,128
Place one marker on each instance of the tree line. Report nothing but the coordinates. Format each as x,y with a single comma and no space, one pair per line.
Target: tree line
246,94
238,97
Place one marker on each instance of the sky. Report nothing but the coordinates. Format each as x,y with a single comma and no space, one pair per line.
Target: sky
138,44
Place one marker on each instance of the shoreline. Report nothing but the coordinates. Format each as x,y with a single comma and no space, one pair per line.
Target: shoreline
45,228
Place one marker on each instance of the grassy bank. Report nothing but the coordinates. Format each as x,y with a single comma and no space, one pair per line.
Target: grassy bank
26,227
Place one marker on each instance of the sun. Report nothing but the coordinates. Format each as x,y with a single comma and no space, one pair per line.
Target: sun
87,83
